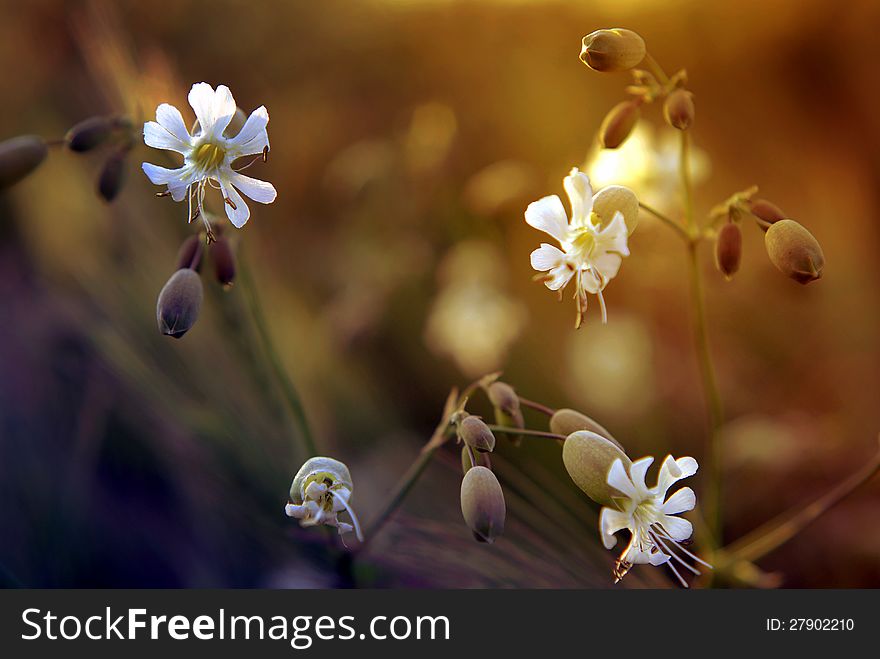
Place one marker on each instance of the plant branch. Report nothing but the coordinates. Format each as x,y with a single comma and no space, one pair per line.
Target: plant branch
680,230
525,432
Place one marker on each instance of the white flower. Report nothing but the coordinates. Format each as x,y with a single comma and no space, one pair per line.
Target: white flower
319,492
591,254
656,534
208,154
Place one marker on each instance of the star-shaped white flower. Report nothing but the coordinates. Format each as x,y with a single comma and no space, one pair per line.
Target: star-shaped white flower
591,253
656,533
208,155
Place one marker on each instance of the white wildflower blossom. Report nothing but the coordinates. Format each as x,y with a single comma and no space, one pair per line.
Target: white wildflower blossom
591,251
208,154
320,491
656,533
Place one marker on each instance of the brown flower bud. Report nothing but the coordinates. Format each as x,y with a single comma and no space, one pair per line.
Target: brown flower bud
766,212
618,124
190,253
19,156
566,421
503,397
794,251
473,431
482,504
615,198
112,176
678,109
89,133
223,258
612,50
482,459
588,458
179,303
728,249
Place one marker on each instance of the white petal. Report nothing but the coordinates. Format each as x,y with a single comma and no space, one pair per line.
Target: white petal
159,137
638,471
259,191
177,180
658,558
610,522
619,480
252,138
170,119
607,265
613,238
201,98
559,277
224,109
580,195
548,215
678,528
239,213
546,257
680,502
292,510
674,470
315,490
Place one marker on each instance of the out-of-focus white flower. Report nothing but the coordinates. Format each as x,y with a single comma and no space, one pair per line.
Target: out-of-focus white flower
593,247
656,533
320,491
208,154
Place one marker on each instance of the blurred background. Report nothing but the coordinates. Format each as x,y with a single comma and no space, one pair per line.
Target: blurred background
407,139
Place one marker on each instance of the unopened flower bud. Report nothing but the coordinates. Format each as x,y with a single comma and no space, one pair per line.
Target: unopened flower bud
613,198
482,504
482,460
321,490
728,249
612,50
112,176
190,253
678,109
473,431
767,213
618,124
794,251
503,397
20,156
223,258
566,422
179,302
89,133
588,457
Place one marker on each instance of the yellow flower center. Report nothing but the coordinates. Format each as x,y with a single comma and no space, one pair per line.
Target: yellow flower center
583,242
209,156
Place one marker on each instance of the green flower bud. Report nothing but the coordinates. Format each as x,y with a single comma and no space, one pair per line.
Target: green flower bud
618,124
766,212
476,434
112,176
794,251
728,249
179,302
612,50
482,504
190,253
19,157
223,258
566,421
613,198
678,109
89,133
481,458
588,458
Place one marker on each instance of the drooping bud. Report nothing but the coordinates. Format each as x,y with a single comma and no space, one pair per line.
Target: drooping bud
179,303
612,50
112,176
505,403
566,421
19,156
89,133
678,109
794,251
473,431
618,124
223,258
588,458
767,213
482,504
482,460
615,198
190,253
728,249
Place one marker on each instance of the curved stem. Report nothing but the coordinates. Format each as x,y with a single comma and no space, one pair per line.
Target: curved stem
288,389
656,69
680,230
540,407
783,528
524,432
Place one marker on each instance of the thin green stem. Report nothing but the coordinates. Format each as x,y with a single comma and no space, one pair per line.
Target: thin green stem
525,432
676,226
656,69
288,389
540,407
